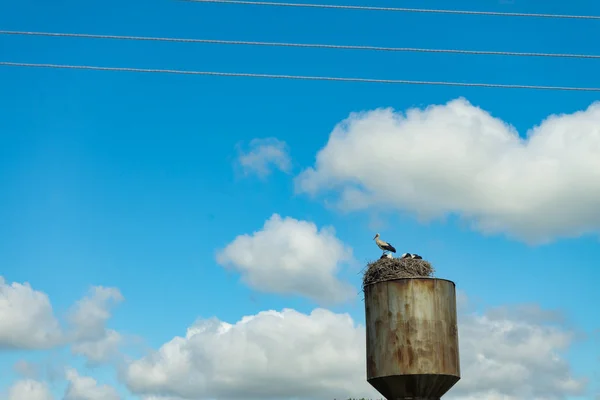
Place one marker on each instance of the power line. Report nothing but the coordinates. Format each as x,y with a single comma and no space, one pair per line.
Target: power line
398,9
298,77
303,45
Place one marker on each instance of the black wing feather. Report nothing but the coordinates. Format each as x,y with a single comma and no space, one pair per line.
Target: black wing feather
391,248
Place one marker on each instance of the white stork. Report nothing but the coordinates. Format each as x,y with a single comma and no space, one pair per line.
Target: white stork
386,255
406,255
385,246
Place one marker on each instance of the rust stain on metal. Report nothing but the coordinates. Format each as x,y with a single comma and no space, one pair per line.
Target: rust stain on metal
412,337
371,365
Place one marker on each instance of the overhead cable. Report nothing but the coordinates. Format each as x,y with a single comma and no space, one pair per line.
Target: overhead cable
398,9
302,45
297,77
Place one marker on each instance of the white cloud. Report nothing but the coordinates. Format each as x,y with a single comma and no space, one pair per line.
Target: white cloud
510,354
290,355
263,155
87,388
291,256
99,351
458,159
29,389
88,317
28,321
271,355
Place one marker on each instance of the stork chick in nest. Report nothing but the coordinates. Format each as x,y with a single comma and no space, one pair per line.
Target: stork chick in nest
385,246
413,256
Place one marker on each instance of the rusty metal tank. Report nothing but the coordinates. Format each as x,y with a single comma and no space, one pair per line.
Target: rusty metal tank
412,338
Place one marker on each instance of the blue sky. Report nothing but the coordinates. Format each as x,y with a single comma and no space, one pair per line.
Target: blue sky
129,180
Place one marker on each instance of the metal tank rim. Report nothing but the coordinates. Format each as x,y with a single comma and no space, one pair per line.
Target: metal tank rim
412,277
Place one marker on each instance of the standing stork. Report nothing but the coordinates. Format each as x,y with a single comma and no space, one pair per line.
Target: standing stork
385,246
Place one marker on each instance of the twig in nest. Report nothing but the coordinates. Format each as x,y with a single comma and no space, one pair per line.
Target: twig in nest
387,269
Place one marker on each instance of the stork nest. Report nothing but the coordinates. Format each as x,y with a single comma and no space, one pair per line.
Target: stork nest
387,269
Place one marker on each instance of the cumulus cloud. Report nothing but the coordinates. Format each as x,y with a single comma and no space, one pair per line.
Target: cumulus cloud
29,322
291,256
87,388
90,337
99,351
89,315
510,355
263,155
271,355
29,389
27,317
291,355
458,159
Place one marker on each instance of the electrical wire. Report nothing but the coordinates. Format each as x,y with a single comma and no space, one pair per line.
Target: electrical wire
298,77
398,9
302,45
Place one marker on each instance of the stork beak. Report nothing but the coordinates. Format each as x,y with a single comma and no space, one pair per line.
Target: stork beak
374,237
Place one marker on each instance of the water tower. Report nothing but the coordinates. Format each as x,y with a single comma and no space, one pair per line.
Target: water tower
412,338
